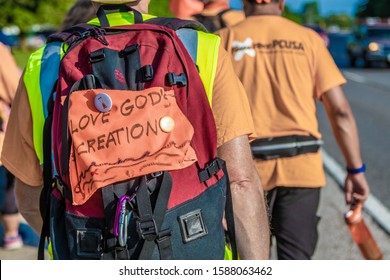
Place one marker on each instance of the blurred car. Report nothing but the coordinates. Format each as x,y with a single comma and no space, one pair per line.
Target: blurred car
9,35
34,41
371,44
323,34
37,35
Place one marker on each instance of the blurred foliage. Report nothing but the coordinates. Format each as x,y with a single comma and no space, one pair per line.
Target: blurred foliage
342,21
292,16
21,57
160,8
311,13
25,13
373,8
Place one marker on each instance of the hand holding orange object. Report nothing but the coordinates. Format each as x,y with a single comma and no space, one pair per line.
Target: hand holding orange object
361,234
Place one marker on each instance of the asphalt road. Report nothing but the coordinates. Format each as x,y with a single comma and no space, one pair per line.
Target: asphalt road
368,92
335,242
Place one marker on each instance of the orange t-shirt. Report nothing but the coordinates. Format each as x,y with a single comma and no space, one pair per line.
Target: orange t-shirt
9,77
233,17
284,68
230,108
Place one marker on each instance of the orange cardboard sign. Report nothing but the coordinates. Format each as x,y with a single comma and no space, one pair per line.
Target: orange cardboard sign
136,133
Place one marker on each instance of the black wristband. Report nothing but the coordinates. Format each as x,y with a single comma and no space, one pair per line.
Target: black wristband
356,170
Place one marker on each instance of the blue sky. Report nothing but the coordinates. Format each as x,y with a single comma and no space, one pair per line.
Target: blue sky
327,6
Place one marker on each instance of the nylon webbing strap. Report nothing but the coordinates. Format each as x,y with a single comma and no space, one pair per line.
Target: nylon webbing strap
229,215
46,191
44,199
87,82
157,216
107,9
211,169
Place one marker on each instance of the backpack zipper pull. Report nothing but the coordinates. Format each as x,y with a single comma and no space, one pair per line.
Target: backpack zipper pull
99,35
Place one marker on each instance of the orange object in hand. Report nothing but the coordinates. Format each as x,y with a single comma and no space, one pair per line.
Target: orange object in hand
362,235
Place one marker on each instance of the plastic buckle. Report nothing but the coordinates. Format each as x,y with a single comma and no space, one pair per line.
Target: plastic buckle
173,79
210,170
163,236
147,228
121,253
156,174
213,168
147,73
97,56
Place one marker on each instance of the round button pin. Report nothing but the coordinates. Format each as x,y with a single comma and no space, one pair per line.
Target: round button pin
103,102
167,124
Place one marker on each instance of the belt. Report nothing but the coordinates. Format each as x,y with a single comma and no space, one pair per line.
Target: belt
285,146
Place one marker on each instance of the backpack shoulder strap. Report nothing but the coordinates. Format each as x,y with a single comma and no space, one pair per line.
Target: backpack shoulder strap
63,36
186,30
220,17
176,24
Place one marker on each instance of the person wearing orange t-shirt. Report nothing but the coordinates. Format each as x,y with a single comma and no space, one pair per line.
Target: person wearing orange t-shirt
9,77
213,14
285,68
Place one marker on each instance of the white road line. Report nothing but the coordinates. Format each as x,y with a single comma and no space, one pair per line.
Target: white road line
354,77
373,206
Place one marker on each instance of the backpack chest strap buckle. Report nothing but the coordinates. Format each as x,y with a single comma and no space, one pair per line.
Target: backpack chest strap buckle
210,170
173,79
147,228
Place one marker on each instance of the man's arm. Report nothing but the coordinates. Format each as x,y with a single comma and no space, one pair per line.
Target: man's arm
27,199
250,211
345,131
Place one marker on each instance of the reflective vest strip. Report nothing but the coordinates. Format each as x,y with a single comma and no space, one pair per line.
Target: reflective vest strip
40,76
207,59
118,19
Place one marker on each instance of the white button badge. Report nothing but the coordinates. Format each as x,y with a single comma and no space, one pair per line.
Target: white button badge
167,124
103,102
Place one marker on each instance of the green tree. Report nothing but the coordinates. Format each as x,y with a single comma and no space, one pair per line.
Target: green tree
342,21
160,8
25,13
292,16
373,8
311,13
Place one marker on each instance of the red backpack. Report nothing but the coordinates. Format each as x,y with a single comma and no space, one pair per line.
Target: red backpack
134,144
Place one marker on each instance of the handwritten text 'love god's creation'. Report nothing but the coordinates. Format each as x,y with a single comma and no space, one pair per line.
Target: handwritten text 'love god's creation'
126,142
119,135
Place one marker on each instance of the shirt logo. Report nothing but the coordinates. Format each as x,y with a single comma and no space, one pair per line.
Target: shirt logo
249,47
242,48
